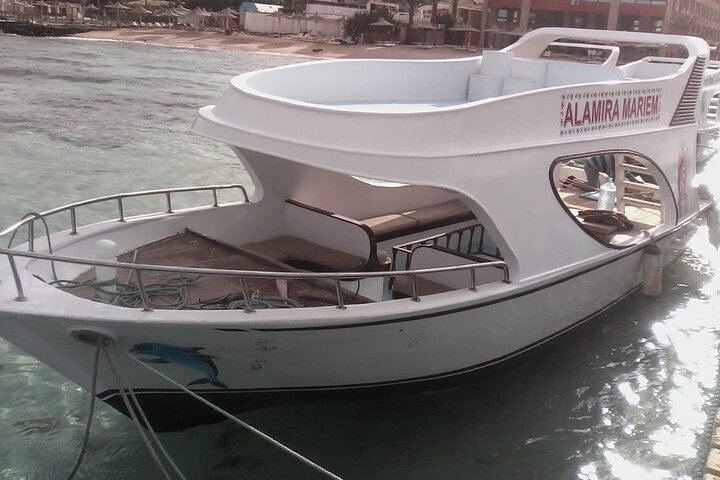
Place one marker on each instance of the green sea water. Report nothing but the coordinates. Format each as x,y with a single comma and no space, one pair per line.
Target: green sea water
625,396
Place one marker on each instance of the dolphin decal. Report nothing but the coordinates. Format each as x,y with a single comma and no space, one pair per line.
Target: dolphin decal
189,357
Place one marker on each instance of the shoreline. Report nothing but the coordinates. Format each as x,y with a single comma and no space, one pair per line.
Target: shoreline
287,45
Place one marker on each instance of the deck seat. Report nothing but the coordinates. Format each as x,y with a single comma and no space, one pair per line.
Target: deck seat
440,214
298,252
391,224
395,225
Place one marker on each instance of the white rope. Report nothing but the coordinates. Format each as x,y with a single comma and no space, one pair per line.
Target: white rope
153,434
239,422
131,411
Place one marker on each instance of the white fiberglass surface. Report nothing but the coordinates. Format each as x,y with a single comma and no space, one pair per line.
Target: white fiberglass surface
393,107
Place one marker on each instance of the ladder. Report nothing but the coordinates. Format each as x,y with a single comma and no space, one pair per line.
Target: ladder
629,191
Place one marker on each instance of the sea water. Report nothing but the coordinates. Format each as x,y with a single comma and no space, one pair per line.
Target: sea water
624,396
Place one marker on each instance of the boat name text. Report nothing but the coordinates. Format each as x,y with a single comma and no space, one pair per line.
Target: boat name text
596,111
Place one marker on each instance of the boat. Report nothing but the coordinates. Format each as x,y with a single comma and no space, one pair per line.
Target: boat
410,224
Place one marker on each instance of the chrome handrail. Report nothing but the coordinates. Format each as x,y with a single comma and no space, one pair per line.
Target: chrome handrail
242,274
121,212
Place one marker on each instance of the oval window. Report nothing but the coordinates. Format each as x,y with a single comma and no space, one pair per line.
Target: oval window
614,196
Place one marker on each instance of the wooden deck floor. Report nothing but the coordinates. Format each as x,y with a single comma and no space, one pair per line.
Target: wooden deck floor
190,249
643,218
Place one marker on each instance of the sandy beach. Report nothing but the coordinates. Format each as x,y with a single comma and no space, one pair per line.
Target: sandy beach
268,44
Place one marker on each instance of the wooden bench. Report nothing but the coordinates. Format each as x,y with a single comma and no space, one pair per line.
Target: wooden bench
305,255
396,225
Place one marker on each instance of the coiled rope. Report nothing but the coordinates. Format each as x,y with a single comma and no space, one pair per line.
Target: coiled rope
172,293
256,302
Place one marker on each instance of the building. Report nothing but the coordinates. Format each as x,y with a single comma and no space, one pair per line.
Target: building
508,19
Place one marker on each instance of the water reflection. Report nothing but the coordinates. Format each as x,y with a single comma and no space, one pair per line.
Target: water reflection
654,407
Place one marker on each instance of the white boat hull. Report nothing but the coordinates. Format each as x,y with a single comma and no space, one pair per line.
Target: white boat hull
269,365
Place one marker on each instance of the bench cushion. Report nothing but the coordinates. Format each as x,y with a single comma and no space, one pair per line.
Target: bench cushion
390,224
441,214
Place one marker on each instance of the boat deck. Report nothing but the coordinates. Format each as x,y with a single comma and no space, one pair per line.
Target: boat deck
190,249
643,218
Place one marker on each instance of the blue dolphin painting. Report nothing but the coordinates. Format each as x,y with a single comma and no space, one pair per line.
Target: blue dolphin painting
189,357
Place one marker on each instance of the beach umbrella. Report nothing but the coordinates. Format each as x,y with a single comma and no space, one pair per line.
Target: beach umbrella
139,9
117,6
87,9
315,18
42,6
170,14
468,29
383,24
227,16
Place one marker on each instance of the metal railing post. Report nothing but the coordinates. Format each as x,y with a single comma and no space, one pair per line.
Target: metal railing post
169,202
18,283
248,307
215,197
506,273
31,236
473,283
338,292
143,295
415,296
121,210
73,222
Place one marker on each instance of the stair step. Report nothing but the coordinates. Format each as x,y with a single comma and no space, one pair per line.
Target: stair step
634,168
645,187
640,203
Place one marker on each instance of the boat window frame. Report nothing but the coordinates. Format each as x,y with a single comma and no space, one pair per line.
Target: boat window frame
620,151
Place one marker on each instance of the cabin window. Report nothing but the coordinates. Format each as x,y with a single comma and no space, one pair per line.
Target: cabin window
584,185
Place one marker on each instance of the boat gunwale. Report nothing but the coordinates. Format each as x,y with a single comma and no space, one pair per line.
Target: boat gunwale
464,104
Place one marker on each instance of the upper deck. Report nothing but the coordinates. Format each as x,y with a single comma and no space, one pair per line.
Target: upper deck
394,86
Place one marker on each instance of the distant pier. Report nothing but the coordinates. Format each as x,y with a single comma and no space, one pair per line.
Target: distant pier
38,29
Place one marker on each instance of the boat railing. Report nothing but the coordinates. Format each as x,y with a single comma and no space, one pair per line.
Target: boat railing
468,240
243,275
72,208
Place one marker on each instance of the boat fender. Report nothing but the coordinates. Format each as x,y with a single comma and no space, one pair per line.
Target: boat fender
106,277
652,271
712,218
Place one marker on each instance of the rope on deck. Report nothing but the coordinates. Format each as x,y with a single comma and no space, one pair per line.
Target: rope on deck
239,422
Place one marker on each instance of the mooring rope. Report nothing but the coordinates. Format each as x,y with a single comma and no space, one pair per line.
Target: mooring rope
138,426
93,389
239,422
153,434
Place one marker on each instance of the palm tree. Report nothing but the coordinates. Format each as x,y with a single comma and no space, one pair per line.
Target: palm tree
412,6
